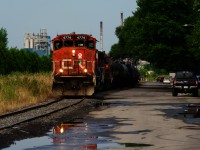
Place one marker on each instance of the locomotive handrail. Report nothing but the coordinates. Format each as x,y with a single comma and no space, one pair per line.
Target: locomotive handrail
54,68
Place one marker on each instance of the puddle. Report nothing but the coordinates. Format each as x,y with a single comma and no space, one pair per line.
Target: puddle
29,143
134,144
76,135
191,111
190,127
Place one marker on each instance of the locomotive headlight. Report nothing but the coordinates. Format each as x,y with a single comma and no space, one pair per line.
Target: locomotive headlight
85,70
73,52
61,130
61,70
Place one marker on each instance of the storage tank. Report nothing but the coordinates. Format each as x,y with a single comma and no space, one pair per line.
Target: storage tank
31,43
27,43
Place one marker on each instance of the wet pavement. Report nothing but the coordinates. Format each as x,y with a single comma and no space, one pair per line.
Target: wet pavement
88,134
144,118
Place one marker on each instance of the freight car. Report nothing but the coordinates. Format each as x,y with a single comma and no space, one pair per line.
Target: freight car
124,74
79,69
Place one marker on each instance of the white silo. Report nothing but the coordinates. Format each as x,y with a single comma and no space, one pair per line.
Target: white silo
27,43
31,42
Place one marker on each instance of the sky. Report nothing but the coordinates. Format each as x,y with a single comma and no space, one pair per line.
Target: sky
64,16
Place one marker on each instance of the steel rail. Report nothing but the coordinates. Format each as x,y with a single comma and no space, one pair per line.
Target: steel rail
23,110
26,110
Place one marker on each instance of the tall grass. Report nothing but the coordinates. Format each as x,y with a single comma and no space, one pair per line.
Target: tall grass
19,90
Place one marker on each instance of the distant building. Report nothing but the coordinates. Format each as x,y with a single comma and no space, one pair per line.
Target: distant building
40,43
142,63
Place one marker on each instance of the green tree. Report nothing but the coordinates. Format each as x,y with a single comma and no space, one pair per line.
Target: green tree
194,38
13,61
3,39
3,51
116,52
157,33
45,64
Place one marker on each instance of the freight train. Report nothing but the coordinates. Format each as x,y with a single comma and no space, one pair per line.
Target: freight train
124,74
79,69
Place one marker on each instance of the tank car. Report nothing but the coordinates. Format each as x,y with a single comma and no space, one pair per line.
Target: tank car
79,69
124,74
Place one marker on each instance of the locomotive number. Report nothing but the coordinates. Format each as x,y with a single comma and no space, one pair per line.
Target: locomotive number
81,37
67,37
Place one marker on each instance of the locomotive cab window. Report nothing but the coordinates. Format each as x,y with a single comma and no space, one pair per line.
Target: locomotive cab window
68,43
90,44
79,43
58,45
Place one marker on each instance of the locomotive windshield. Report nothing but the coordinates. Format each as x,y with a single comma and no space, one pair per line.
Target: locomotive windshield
90,44
58,45
68,43
74,41
79,43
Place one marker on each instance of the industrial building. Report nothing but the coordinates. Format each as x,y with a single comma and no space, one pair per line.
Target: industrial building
39,43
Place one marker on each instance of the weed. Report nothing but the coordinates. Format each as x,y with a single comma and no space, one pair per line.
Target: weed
19,90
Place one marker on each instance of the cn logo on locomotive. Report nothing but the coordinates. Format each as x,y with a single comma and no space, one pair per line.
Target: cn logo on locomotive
67,64
80,55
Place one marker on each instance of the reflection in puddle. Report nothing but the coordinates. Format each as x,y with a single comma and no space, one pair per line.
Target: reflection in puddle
191,114
79,135
192,110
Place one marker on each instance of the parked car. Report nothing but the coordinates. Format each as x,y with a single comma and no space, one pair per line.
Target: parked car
166,81
185,82
160,79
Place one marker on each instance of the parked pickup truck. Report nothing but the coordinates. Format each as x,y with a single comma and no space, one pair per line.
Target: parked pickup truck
185,82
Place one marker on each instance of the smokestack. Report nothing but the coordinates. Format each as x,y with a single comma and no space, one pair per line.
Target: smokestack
122,20
101,36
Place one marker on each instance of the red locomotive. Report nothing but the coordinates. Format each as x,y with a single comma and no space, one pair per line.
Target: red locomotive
78,67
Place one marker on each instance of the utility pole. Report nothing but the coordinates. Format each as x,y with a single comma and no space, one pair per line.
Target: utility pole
122,20
101,36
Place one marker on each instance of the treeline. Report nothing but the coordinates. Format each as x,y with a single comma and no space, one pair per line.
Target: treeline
18,60
165,33
15,60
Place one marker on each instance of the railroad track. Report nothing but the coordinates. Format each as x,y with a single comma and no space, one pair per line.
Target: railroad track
12,119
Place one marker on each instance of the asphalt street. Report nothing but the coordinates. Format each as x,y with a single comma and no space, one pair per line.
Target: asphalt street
151,118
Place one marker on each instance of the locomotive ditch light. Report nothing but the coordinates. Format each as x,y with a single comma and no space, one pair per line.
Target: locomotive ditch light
61,70
73,52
